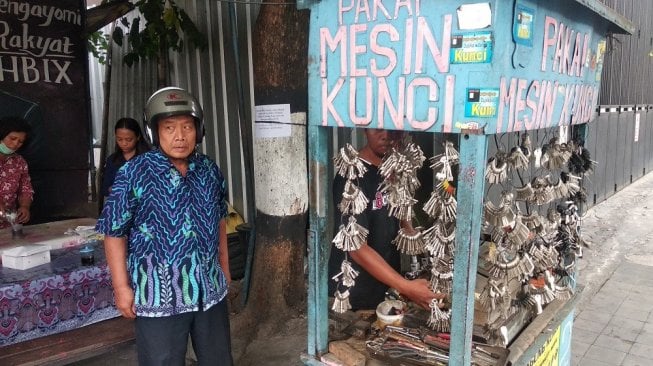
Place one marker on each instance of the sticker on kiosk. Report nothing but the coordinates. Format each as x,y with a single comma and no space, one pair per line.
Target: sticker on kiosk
481,103
522,30
471,48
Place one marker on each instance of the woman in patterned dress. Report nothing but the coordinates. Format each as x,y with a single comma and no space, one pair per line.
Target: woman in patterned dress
16,190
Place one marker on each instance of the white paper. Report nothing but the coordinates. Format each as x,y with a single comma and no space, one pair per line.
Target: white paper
564,135
636,127
278,115
474,16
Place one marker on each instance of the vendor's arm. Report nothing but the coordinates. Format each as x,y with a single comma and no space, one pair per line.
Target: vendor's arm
116,253
417,290
22,213
25,194
224,251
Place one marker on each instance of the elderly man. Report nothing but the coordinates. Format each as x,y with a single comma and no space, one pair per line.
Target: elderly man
166,241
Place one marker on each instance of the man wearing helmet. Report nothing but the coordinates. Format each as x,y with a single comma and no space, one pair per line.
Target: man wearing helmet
165,239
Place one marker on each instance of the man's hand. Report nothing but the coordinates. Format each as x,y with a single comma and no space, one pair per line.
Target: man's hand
115,250
124,297
419,292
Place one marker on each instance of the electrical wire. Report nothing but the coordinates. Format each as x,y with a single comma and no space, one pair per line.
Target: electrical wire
254,2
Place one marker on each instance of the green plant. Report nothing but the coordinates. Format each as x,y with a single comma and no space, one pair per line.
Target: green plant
159,27
98,44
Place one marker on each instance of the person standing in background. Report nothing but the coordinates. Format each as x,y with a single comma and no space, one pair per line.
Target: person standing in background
129,143
378,260
166,240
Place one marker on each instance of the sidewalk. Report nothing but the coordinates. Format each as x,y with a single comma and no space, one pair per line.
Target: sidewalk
614,318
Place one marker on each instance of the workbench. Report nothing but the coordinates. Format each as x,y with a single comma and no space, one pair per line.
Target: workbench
54,297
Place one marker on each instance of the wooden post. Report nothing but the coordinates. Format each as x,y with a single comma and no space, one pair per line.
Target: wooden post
318,243
471,182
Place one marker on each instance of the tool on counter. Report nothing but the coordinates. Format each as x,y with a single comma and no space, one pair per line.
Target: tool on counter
422,346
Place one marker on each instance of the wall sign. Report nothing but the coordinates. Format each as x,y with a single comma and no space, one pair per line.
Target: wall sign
408,65
43,78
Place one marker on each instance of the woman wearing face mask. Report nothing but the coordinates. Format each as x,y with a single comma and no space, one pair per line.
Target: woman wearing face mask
16,190
129,143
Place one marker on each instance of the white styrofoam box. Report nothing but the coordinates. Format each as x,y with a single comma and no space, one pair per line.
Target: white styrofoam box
62,242
26,256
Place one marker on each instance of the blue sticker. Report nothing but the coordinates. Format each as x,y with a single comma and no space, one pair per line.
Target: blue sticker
522,30
471,48
481,103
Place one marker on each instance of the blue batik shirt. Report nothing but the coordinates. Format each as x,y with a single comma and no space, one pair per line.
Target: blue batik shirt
172,227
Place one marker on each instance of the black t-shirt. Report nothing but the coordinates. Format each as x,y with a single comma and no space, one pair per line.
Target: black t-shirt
367,293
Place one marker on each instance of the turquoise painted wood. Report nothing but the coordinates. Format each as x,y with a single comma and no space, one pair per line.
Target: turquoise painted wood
318,243
470,188
475,68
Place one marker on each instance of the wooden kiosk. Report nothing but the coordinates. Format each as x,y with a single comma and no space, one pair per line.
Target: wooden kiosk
472,68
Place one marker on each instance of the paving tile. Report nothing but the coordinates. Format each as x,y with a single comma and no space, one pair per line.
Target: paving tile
644,297
633,269
632,360
611,286
612,343
595,315
591,325
614,295
621,333
607,300
642,350
590,362
603,354
584,336
575,360
602,307
619,321
624,277
633,314
636,315
648,325
646,281
645,338
578,348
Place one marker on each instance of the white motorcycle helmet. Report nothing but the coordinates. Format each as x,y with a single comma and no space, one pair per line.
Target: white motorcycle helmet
171,101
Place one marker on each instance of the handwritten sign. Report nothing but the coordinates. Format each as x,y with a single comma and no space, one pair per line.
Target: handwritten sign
43,78
408,65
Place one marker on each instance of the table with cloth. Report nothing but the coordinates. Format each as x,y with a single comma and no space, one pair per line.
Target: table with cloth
56,296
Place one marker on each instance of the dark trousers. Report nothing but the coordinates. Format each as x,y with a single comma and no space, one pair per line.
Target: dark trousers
162,341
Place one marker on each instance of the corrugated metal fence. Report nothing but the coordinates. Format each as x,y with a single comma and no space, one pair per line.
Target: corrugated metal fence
210,75
620,139
628,62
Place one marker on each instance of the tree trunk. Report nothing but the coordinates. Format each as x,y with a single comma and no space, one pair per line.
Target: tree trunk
280,72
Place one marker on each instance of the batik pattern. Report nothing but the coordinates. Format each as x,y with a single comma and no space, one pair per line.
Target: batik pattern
54,297
172,226
14,182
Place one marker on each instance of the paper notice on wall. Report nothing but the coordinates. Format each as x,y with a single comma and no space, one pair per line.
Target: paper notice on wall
636,127
474,16
272,120
564,134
